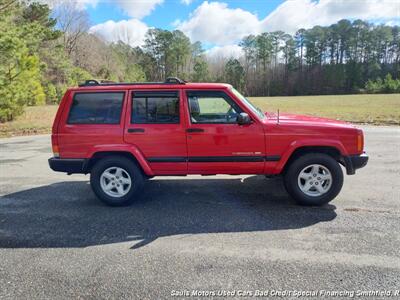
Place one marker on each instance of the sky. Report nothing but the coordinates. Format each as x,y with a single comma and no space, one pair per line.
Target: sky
220,25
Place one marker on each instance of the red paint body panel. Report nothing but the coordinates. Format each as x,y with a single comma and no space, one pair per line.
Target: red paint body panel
77,140
159,140
226,140
268,137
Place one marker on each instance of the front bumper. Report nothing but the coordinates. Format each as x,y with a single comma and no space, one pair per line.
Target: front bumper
68,165
354,162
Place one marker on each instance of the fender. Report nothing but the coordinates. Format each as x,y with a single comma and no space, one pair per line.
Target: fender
132,149
308,143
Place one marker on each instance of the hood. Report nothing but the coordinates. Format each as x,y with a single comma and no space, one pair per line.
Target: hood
286,118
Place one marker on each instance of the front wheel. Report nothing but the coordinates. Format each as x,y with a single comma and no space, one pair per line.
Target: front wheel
116,180
314,179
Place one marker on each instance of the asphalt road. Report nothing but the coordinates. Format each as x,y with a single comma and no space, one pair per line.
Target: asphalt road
224,233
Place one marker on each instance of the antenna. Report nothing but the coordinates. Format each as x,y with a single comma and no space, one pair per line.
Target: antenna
277,118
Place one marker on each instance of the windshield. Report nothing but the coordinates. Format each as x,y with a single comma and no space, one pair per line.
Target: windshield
247,102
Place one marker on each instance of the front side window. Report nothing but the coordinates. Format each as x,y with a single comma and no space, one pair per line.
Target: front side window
96,108
155,108
212,107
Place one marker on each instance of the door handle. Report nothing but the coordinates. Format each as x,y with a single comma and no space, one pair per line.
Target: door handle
133,130
194,130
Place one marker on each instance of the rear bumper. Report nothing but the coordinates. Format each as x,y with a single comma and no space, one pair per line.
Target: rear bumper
68,165
354,162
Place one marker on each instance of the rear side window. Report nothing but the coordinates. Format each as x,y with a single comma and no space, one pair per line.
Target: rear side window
155,108
96,108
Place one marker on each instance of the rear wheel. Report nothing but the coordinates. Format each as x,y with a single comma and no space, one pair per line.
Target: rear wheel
314,179
116,180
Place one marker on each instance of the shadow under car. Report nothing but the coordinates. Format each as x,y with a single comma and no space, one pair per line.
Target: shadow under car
67,214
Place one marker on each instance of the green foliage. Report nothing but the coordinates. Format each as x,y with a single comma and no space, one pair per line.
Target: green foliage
19,67
36,95
235,74
169,51
388,85
19,85
51,93
34,68
200,71
374,87
78,75
24,30
128,70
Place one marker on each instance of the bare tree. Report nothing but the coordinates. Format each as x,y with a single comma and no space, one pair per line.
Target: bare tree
89,53
73,22
6,4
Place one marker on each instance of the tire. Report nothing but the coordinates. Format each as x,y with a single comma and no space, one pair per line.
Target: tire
309,189
116,172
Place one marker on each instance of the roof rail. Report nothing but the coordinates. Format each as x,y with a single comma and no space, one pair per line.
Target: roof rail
93,82
90,82
175,80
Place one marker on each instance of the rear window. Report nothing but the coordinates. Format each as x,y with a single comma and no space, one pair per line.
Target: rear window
155,108
96,108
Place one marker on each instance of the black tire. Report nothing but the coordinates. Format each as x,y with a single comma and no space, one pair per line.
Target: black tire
137,180
293,171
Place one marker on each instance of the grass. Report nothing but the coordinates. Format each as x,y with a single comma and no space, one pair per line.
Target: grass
35,120
378,109
370,109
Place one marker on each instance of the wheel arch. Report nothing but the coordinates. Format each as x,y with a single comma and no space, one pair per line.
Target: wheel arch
135,156
334,149
329,150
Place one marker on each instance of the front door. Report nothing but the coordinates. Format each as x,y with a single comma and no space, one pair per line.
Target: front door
217,144
155,125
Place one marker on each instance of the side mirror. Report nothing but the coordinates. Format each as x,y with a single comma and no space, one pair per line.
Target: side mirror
243,119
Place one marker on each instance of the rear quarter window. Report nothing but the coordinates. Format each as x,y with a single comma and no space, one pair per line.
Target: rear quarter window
96,108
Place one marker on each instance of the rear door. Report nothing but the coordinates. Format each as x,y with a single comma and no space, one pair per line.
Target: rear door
217,144
154,123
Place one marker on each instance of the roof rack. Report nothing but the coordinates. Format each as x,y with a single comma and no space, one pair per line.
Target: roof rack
93,82
175,80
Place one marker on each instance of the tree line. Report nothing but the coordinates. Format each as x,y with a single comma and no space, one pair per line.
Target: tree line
42,52
334,59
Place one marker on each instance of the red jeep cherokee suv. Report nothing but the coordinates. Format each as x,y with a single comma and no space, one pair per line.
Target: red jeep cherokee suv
124,133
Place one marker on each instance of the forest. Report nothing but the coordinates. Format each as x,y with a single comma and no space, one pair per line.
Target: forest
44,51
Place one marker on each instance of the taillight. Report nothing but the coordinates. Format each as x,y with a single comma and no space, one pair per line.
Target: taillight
54,146
360,141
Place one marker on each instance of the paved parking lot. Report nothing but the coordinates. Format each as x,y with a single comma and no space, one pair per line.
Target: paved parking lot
194,233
